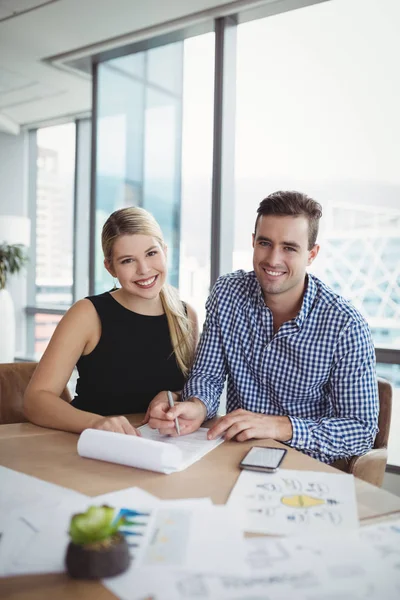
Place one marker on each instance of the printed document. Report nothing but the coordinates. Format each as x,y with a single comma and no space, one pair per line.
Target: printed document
152,451
163,535
291,502
335,566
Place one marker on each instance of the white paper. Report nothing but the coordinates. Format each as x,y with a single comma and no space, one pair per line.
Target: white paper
133,496
192,446
43,534
338,566
205,540
45,539
384,538
25,505
20,492
162,533
129,450
291,502
152,451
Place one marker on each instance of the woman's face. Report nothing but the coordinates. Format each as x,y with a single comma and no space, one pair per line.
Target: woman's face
139,262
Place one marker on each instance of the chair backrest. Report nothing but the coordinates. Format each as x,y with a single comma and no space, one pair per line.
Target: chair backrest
14,378
385,413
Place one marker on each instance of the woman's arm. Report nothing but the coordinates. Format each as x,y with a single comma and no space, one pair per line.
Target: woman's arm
78,330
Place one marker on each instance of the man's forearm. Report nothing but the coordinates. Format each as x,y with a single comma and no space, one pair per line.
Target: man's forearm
329,439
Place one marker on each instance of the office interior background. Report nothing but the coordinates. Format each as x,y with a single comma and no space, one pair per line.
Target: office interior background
196,110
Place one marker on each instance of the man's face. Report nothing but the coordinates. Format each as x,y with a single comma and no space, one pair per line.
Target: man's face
281,254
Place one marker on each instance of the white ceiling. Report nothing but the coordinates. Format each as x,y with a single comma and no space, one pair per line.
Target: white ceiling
31,31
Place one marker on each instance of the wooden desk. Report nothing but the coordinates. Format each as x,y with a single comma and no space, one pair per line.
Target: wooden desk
51,455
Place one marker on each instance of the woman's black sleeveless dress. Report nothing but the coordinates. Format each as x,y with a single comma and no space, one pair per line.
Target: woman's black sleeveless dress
132,362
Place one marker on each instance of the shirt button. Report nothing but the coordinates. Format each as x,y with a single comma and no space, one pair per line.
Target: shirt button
301,442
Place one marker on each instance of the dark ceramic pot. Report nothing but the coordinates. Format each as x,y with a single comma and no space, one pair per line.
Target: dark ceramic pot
99,560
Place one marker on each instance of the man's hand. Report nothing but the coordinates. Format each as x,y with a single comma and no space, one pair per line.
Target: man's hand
115,424
243,425
191,414
161,400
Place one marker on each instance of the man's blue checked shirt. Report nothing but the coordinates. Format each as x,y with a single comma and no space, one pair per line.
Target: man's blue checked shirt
318,369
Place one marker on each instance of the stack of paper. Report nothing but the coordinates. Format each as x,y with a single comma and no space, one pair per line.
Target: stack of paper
338,566
163,534
190,549
151,451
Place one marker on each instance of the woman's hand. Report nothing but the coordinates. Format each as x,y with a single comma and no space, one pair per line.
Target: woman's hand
115,424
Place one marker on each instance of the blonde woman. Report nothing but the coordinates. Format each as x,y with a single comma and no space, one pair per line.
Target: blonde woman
130,345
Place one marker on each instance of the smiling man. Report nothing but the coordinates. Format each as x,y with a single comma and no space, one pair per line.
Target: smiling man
299,358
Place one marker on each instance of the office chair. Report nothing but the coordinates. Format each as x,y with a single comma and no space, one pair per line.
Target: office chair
14,378
371,466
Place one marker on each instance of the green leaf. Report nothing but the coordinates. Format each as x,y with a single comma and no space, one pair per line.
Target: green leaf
94,525
12,260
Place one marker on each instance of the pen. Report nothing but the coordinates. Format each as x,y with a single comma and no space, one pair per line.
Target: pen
171,403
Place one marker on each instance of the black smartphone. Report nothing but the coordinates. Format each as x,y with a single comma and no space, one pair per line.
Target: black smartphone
264,459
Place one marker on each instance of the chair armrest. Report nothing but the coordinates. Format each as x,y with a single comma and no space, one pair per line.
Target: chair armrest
370,466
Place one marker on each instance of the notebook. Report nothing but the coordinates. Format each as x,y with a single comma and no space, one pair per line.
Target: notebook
152,451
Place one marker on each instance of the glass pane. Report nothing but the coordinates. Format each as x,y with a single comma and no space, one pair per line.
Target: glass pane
119,152
197,149
44,329
164,67
132,64
322,117
161,188
54,214
154,149
139,144
392,374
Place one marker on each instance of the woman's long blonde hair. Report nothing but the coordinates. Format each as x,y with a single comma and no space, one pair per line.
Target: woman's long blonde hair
135,220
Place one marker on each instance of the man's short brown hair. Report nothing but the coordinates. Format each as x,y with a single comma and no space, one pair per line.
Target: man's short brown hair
288,203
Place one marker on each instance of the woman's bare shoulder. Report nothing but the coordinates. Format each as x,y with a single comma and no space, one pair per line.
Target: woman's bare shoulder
81,309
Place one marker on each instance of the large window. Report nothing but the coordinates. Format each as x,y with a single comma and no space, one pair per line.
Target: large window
323,119
317,97
197,148
154,149
55,178
54,214
59,165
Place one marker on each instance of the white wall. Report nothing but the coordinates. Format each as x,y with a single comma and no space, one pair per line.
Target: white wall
14,201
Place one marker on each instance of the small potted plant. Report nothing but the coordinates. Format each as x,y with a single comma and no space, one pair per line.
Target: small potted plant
97,549
12,260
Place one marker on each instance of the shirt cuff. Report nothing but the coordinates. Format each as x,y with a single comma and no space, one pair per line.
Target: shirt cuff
301,438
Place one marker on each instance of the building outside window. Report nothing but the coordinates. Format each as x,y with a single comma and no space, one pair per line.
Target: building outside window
55,177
